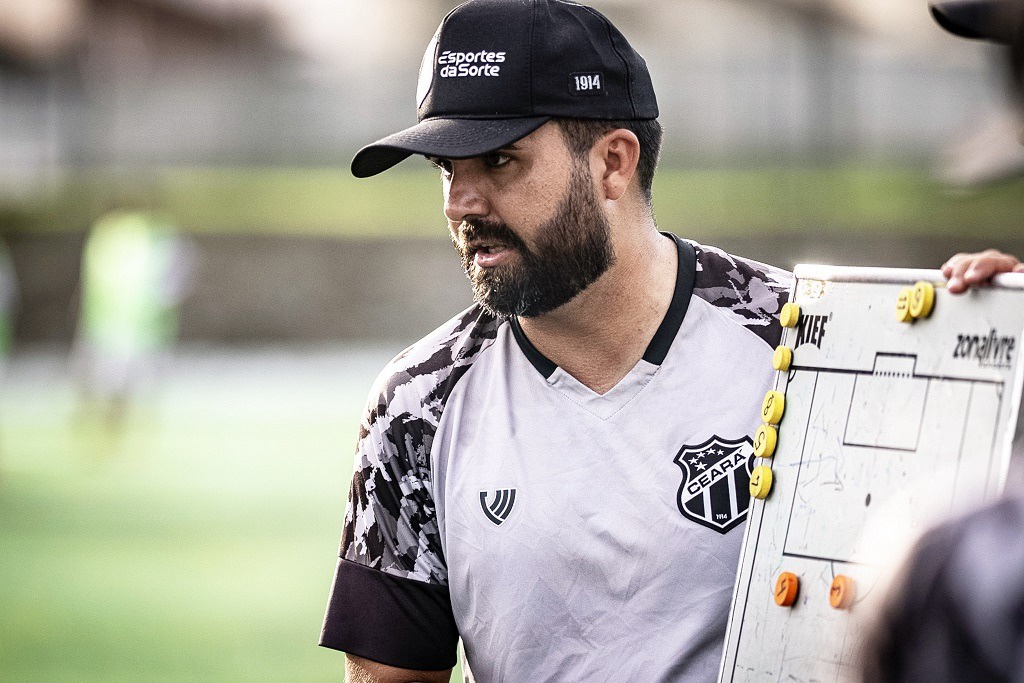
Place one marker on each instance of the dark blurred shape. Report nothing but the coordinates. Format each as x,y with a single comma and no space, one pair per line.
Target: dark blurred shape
996,20
989,154
9,291
955,613
1000,21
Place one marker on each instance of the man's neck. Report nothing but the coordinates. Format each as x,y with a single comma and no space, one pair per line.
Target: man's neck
601,334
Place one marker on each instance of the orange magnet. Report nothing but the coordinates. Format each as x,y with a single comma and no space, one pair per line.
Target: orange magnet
903,305
773,407
765,441
790,315
761,482
786,587
842,593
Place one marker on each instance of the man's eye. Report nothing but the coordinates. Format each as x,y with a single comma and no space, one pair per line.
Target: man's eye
496,159
443,165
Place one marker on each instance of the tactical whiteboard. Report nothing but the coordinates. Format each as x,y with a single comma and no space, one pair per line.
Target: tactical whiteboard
888,426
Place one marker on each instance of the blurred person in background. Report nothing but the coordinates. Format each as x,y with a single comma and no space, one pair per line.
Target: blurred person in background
955,611
8,302
8,306
517,479
136,270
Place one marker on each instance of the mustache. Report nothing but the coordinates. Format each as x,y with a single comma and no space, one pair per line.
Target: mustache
481,229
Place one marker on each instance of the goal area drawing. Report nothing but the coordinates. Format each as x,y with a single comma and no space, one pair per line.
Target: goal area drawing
899,410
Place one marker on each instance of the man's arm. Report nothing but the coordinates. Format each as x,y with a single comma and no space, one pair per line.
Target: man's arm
966,270
359,670
389,601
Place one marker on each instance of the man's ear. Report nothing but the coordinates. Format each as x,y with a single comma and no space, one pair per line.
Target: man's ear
618,153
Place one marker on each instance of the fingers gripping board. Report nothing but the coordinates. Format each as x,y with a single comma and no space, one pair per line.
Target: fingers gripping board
900,409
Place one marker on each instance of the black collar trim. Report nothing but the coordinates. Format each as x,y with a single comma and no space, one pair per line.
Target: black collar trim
686,275
543,364
657,350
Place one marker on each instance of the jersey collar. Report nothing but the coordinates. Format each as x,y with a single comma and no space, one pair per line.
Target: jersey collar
686,274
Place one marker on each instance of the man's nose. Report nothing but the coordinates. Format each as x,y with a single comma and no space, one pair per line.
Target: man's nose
464,197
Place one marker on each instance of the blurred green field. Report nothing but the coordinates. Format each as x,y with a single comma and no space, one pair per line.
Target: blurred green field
773,200
199,546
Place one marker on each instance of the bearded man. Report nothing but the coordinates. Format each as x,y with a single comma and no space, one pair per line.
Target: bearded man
559,475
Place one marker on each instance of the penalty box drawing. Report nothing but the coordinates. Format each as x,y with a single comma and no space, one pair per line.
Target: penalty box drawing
891,422
887,426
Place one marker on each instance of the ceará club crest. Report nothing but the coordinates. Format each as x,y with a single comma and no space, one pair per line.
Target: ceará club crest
715,491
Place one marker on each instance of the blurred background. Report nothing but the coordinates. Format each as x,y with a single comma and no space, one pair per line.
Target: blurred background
195,295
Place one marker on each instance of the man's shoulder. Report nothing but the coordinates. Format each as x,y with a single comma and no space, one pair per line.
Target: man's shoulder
718,269
426,371
748,291
390,523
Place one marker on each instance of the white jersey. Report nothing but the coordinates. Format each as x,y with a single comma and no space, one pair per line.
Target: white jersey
563,534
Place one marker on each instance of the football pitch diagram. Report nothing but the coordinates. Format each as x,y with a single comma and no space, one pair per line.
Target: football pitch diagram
887,425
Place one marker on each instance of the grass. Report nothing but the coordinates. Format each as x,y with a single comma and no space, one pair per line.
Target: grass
198,545
866,199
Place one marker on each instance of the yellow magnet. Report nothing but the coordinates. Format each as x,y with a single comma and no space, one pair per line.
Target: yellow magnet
782,358
786,587
903,305
765,441
761,481
790,315
923,299
773,407
842,593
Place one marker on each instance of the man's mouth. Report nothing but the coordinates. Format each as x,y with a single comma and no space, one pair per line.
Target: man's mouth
489,254
486,246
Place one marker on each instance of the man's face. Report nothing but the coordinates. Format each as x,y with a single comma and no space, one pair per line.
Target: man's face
527,248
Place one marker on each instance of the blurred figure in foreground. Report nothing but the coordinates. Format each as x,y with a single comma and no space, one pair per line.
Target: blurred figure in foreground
956,610
135,272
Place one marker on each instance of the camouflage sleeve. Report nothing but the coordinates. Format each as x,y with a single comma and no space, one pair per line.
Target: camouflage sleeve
391,523
390,601
751,292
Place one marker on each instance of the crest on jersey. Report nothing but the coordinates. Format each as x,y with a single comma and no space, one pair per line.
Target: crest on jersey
500,506
716,482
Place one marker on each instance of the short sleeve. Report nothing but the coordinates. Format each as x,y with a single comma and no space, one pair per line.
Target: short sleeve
389,600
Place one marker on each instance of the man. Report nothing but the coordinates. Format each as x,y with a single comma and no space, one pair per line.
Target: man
955,611
559,475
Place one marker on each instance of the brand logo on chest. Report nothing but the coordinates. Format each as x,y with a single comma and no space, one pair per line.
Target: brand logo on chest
716,482
500,506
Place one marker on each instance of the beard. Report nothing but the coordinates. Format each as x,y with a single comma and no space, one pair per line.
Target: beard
572,250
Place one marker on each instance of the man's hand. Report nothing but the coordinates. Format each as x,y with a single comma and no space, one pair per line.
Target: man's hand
966,270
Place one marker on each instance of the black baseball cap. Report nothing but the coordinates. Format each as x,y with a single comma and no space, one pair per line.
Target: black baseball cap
497,70
995,20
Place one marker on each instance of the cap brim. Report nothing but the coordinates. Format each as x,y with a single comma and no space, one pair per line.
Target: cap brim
442,137
980,19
